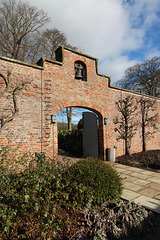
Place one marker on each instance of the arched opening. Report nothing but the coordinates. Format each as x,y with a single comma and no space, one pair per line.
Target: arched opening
80,132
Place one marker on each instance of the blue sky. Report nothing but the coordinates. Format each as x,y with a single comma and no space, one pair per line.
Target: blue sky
120,33
76,116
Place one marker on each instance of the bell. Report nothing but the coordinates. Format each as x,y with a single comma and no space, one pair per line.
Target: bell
79,74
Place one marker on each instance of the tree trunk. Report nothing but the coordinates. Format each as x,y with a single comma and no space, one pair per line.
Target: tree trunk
69,118
69,124
143,138
143,131
127,148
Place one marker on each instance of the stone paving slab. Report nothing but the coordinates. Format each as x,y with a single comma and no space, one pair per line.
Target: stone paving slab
157,197
139,185
139,175
150,203
148,192
142,182
129,195
154,179
133,187
147,172
154,185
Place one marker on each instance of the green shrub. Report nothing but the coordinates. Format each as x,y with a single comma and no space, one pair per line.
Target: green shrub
71,141
101,180
37,203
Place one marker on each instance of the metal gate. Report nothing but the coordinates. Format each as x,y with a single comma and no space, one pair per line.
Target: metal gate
90,135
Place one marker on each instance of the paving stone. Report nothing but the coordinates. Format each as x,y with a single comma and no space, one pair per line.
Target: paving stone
133,187
139,175
129,195
154,179
139,170
128,179
134,169
123,176
150,173
141,186
128,173
121,166
154,185
120,169
142,182
149,203
149,192
131,179
155,174
157,197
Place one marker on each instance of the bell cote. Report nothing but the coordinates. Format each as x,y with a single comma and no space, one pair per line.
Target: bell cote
80,70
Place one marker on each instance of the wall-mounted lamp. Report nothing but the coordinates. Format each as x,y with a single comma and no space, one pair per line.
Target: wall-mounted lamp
105,121
53,118
38,154
8,73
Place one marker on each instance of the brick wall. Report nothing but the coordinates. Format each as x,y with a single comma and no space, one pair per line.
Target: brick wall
25,128
52,86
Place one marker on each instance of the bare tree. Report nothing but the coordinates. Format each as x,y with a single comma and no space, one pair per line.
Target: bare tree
148,119
143,77
19,22
31,51
68,112
8,98
50,40
126,125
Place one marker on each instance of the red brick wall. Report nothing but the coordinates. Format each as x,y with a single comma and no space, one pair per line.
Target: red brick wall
25,129
53,87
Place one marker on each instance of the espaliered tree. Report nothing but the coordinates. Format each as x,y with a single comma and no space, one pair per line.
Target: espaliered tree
126,125
148,119
8,98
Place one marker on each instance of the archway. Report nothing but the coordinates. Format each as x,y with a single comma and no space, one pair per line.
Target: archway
86,134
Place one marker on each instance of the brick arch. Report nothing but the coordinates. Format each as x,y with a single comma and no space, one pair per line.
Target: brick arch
94,108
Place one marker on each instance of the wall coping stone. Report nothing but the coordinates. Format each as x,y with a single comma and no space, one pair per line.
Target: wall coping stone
130,91
21,62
